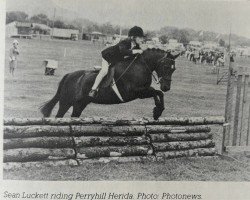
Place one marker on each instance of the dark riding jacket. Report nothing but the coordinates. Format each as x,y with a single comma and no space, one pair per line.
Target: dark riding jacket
117,52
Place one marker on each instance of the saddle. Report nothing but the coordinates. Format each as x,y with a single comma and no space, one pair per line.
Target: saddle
106,82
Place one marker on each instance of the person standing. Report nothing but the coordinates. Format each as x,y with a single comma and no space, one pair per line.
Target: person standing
13,57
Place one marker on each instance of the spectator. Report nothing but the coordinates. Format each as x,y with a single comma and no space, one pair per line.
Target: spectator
13,57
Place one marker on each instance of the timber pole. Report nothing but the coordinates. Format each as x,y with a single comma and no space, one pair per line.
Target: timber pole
229,101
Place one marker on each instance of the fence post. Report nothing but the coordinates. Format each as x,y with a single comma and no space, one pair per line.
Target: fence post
228,106
237,105
248,128
244,100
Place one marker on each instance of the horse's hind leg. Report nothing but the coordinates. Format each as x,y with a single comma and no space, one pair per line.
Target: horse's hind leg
78,107
63,108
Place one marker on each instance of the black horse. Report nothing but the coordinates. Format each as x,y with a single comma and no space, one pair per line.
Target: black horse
133,79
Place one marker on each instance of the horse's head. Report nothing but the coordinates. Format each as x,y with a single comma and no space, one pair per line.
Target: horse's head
165,69
163,63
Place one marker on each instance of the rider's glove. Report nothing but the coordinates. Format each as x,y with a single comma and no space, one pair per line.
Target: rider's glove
137,51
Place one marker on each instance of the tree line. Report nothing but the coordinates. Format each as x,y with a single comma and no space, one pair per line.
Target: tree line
39,18
83,25
165,33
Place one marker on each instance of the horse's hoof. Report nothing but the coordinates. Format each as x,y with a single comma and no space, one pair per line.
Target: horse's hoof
157,112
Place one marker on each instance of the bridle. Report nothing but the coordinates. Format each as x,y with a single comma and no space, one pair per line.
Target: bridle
164,78
165,58
157,80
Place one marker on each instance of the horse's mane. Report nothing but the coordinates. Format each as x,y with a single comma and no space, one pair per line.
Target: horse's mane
165,53
157,50
148,50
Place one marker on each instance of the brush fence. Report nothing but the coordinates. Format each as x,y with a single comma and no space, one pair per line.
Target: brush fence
75,141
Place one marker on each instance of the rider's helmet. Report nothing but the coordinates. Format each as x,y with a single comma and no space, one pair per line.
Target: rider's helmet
136,31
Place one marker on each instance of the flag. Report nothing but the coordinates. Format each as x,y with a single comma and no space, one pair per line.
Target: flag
217,37
201,33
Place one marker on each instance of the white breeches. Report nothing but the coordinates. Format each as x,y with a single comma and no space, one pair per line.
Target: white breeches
103,72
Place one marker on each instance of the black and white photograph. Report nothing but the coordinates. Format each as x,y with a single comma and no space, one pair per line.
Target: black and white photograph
135,90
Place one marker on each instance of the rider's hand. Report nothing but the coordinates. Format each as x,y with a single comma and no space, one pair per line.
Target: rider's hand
137,51
144,47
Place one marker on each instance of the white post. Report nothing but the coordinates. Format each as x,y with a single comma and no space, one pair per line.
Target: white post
65,52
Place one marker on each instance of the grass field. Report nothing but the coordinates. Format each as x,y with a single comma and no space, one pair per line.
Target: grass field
193,93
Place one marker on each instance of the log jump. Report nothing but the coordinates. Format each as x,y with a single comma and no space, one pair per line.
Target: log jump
75,141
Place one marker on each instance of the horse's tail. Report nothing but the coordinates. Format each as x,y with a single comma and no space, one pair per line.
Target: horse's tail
48,106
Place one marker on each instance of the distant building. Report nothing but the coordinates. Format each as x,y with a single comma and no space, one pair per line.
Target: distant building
64,33
175,45
41,29
98,37
19,29
29,30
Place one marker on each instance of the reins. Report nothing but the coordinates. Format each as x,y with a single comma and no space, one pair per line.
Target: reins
154,77
125,70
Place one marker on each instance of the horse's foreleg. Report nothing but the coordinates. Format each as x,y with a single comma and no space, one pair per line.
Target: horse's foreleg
158,98
159,103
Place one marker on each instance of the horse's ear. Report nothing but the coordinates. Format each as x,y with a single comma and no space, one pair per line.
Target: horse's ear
168,54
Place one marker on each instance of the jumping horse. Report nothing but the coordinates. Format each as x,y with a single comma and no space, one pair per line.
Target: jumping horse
133,78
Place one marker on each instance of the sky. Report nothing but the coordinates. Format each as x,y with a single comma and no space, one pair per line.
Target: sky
204,15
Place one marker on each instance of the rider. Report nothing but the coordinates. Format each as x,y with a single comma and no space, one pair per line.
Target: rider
114,54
